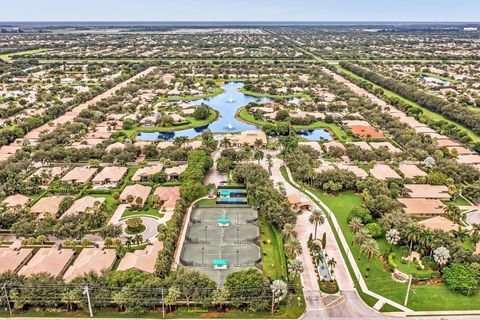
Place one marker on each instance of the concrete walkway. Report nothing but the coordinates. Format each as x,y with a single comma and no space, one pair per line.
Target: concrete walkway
117,215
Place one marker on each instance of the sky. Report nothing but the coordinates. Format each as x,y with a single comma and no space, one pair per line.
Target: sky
240,10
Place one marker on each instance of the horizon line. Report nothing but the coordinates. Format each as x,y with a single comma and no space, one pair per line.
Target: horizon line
241,21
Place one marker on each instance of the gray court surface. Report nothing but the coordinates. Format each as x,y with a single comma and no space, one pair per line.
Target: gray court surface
222,233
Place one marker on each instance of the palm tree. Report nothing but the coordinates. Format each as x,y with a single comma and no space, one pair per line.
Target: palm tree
269,163
425,239
316,218
392,236
460,235
360,238
293,247
288,231
258,143
355,225
454,213
412,233
295,268
129,241
370,249
225,143
258,155
332,263
180,141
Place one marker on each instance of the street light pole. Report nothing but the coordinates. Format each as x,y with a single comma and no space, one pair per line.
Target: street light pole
87,293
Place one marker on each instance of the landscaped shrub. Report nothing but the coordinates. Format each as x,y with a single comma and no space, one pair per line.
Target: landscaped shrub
374,230
391,261
461,278
328,286
360,212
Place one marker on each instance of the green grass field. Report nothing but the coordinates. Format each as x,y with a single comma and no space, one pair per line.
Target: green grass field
8,56
273,258
192,123
422,297
427,113
275,96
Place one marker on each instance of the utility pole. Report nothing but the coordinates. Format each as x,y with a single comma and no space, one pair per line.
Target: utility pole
163,306
408,291
87,293
6,297
273,301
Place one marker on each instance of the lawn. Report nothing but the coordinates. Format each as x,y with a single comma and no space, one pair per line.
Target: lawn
150,211
8,56
422,297
243,115
427,113
273,258
216,92
192,123
275,96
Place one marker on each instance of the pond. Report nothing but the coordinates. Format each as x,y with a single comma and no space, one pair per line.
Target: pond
227,104
435,80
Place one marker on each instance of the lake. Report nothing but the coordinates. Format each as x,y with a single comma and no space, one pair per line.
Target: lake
227,104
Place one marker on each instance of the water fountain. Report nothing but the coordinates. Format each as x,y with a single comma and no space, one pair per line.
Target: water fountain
230,100
230,126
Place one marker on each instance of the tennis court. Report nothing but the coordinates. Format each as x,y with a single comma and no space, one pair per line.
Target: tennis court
221,239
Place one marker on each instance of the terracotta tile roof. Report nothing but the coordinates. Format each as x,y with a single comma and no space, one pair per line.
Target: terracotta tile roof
16,200
11,260
169,196
47,205
143,260
421,206
48,260
383,172
411,171
79,174
427,191
439,223
147,171
136,190
90,259
81,205
110,175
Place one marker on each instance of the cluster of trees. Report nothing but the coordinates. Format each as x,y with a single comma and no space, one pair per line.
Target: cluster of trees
272,204
191,188
454,112
135,291
25,224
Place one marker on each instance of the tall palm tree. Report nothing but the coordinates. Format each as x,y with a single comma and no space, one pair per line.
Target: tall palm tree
295,268
454,213
370,249
425,239
129,242
316,218
355,225
258,143
360,238
332,263
412,234
225,143
288,231
180,141
269,163
293,247
258,155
